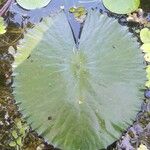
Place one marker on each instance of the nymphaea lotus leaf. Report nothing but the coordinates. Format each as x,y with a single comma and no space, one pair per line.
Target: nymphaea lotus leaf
79,98
32,4
121,6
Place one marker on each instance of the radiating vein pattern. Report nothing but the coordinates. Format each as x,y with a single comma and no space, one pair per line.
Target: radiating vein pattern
91,93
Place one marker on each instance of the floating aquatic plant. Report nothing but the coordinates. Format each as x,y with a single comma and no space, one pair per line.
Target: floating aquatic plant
121,6
33,4
2,26
142,147
79,13
79,98
145,38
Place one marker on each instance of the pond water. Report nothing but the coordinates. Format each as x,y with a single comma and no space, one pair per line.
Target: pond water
53,7
18,19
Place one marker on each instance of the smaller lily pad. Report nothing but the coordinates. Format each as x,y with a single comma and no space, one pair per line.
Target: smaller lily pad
32,4
121,6
145,35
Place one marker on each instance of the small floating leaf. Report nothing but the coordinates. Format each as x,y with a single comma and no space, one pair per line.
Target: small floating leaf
145,35
146,47
72,10
121,6
142,147
79,13
14,134
80,98
12,144
33,4
2,26
19,141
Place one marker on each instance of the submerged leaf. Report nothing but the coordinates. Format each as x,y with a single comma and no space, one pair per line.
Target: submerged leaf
80,98
32,4
121,6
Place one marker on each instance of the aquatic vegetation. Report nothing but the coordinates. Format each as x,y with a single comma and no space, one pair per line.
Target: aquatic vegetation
2,26
18,134
1,2
142,147
79,98
145,35
145,38
32,4
121,6
79,13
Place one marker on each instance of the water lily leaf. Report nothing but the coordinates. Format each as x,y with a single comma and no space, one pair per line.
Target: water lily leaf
80,98
121,6
24,51
32,4
145,35
2,26
146,48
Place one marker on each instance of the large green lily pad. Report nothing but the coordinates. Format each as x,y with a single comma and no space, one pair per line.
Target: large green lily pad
80,99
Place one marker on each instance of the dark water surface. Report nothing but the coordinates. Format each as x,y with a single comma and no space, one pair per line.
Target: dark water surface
34,16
